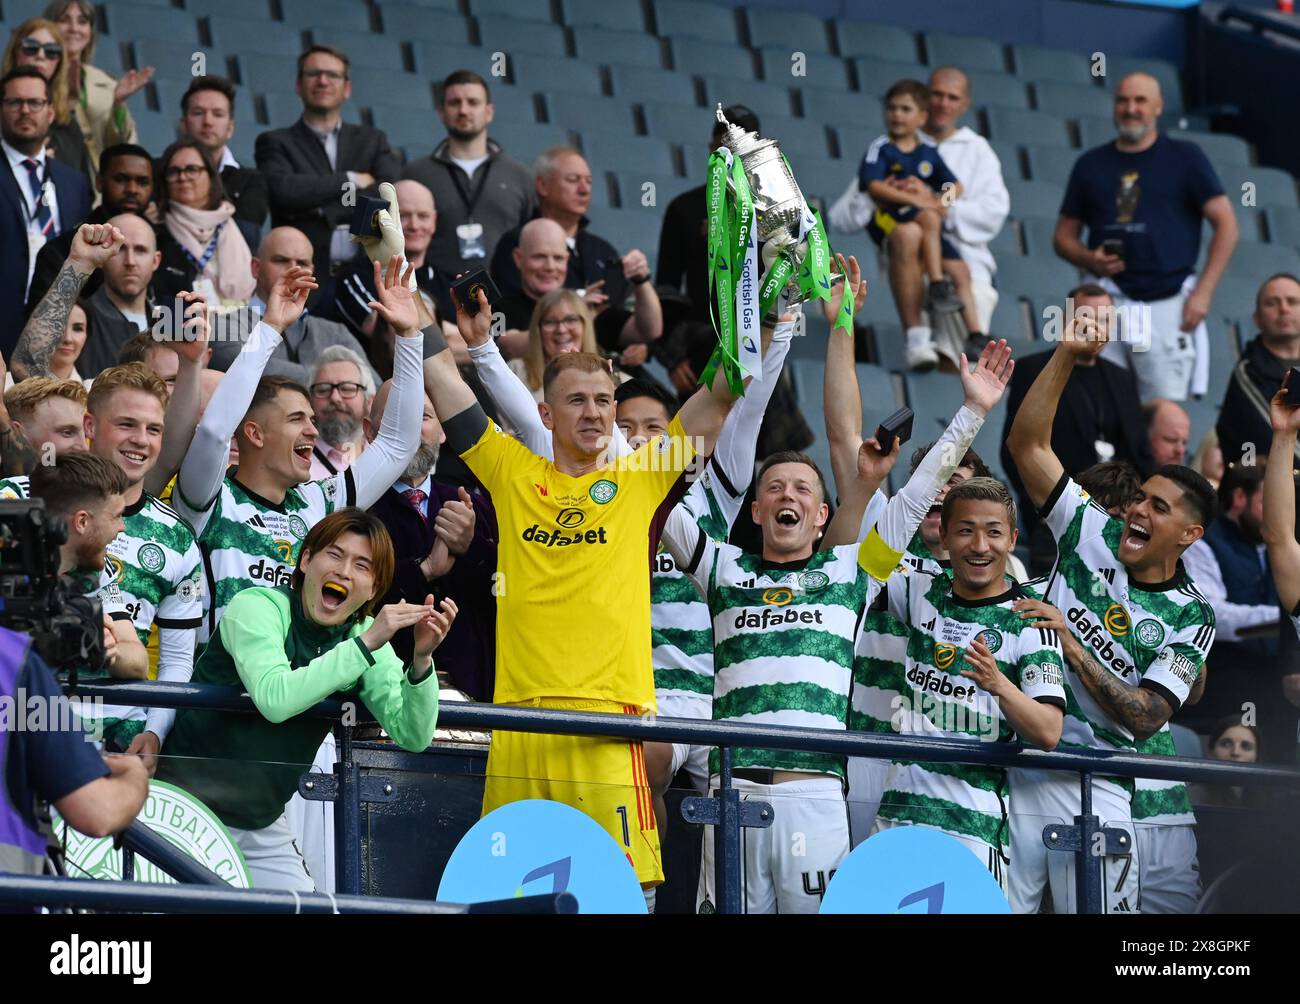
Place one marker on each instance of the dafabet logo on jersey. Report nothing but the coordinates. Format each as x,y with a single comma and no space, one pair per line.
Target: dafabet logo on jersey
1101,634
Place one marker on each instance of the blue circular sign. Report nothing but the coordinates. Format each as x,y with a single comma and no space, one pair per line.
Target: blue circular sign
913,869
535,847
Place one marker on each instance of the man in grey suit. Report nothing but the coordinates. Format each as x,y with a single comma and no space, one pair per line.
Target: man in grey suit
305,339
317,166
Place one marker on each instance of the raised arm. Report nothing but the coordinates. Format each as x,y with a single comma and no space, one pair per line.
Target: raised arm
443,383
1030,437
92,246
1279,499
514,402
705,411
182,415
843,397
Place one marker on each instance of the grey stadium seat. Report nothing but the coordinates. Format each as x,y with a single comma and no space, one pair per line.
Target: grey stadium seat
694,19
836,108
1094,130
1219,147
1284,225
589,113
283,108
405,21
626,48
1071,100
266,73
525,140
1011,125
1235,295
378,52
796,30
631,227
1273,188
1038,232
799,138
935,398
524,10
1006,241
417,134
501,35
1038,62
127,22
157,129
818,68
334,13
610,152
391,87
1041,281
169,102
876,76
1011,321
1256,262
513,104
534,71
1171,88
969,52
666,188
172,61
1034,198
692,55
637,82
763,98
678,123
1051,163
883,41
231,35
1009,157
603,14
252,10
435,61
1001,89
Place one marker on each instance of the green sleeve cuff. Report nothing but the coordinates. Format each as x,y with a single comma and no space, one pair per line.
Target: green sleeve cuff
370,656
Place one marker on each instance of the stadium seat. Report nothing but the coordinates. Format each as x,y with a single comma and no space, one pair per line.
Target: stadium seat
1250,225
1272,188
588,113
262,73
1071,100
1235,295
934,397
762,98
970,52
1219,147
406,21
127,22
823,70
603,14
416,133
634,227
1224,353
1256,262
1186,741
1001,89
697,57
821,176
887,342
608,151
602,192
377,52
836,108
1051,163
333,13
1038,232
1011,125
882,41
231,35
391,87
1041,281
1171,88
876,76
536,72
678,123
525,140
695,19
1006,241
695,159
523,10
173,62
1038,62
626,48
157,129
252,10
1011,321
1034,198
1094,131
435,60
637,82
513,104
1283,225
799,138
666,188
797,31
169,94
500,35
1009,157
439,5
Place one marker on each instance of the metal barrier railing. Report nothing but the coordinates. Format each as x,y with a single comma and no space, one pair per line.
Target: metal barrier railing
346,787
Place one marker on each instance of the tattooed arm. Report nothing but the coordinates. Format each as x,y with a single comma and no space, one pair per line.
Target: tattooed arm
91,248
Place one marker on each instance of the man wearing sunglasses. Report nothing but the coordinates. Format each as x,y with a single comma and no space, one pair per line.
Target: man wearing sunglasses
40,198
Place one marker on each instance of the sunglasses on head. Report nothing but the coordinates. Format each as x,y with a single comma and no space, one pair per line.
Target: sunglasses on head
31,47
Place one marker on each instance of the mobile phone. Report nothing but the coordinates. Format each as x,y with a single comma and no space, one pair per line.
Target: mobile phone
897,426
1293,387
363,216
615,282
467,286
1113,245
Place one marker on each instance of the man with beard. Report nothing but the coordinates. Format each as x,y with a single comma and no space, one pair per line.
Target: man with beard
341,389
446,543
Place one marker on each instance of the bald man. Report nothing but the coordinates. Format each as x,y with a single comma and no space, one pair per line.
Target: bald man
281,249
1142,198
121,308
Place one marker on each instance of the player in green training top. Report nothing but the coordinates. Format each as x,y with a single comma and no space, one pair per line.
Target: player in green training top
1143,629
974,670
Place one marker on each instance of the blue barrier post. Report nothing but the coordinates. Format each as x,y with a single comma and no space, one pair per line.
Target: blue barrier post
347,816
726,840
1088,872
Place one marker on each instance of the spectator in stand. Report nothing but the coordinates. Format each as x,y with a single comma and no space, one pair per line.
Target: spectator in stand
481,192
1146,196
446,543
304,339
313,163
1100,418
1244,431
341,390
1208,461
541,257
125,185
123,306
560,323
208,115
564,196
98,101
1235,742
203,246
39,44
1168,431
159,356
43,196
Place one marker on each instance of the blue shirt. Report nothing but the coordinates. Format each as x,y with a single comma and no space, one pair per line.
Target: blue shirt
885,160
1153,201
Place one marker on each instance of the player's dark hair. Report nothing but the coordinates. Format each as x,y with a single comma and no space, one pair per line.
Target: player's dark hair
22,72
1113,484
1276,275
970,459
978,489
791,457
638,387
457,77
268,388
1198,494
352,520
913,89
328,50
1089,289
1248,477
78,481
1234,721
209,82
111,154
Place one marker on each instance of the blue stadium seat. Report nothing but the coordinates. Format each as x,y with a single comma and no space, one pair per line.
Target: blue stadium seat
524,10
835,107
935,398
695,159
678,123
799,138
691,55
173,62
263,73
409,22
127,22
536,72
1171,88
1001,89
1094,131
796,31
525,140
332,13
637,82
1219,147
694,19
887,341
1051,163
169,94
607,151
626,48
1038,232
970,52
1071,100
1009,158
253,10
157,129
1011,321
876,76
631,228
1011,125
1038,62
1283,225
1273,188
589,112
1034,198
819,69
500,35
882,41
378,52
1006,241
879,392
666,188
109,56
821,176
603,14
435,60
762,98
1040,280
418,134
439,5
231,35
1256,262
512,104
391,87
